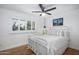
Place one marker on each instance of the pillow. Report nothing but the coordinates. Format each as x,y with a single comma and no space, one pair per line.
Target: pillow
56,32
60,33
53,32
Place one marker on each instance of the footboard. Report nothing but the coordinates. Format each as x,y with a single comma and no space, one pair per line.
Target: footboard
37,47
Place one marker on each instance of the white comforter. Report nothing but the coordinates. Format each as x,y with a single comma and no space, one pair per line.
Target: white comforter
48,44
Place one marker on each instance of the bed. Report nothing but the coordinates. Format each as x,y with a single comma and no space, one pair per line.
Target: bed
49,44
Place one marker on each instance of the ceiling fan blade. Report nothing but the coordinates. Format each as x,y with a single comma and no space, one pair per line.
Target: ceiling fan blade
49,13
41,6
36,11
50,9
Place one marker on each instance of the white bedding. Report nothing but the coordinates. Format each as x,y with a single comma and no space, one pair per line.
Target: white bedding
48,44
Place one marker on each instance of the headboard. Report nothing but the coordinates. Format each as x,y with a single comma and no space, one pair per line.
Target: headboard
59,31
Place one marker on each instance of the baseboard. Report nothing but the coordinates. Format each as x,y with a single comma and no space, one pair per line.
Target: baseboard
74,48
15,46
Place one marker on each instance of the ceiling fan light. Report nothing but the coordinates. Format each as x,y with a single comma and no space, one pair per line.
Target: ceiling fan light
43,14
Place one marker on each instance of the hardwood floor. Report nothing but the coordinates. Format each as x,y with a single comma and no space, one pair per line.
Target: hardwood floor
70,51
24,50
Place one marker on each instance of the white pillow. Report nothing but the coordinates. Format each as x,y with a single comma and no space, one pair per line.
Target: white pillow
53,32
60,33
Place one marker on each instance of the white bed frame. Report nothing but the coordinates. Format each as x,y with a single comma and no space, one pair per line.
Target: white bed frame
42,49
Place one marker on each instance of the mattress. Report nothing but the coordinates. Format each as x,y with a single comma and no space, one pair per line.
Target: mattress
48,44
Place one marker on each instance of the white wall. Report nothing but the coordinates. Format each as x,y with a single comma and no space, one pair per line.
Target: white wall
70,13
8,39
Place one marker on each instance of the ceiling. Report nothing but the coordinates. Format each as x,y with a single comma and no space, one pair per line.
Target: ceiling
28,8
24,7
21,7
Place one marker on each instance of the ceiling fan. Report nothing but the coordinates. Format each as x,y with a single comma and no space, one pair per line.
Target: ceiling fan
43,11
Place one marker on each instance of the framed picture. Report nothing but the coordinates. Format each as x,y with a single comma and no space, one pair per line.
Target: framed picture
58,22
22,25
15,25
28,25
33,25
